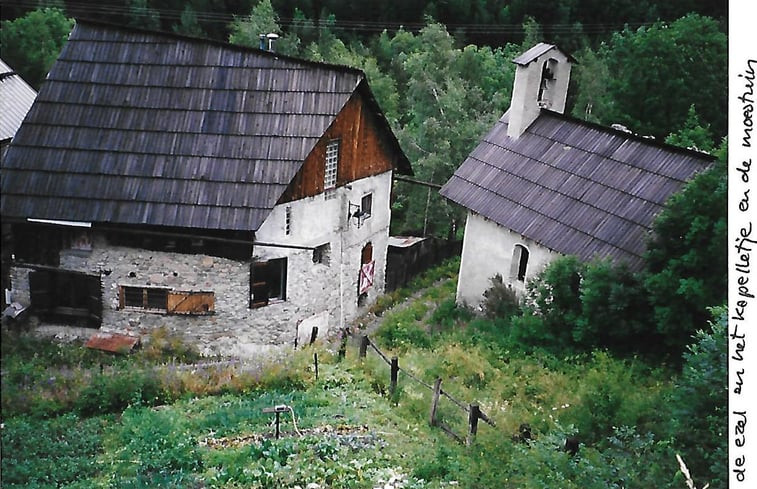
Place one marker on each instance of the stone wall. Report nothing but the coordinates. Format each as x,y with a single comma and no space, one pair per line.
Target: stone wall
322,294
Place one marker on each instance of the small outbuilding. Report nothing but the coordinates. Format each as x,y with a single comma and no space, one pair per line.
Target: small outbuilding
542,184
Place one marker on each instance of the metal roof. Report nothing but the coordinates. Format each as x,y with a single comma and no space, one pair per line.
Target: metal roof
140,127
577,188
16,97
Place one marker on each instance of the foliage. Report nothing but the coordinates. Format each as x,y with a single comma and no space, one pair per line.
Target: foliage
686,257
262,20
188,24
151,449
572,305
30,44
674,65
500,300
693,134
142,16
700,404
50,453
403,329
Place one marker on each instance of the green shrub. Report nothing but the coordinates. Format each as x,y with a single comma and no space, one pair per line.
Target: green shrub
700,402
152,449
113,393
50,453
500,300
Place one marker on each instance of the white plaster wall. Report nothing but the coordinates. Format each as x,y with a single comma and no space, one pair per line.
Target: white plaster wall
487,251
524,106
316,221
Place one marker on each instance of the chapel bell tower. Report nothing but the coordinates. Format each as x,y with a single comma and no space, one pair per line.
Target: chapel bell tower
541,82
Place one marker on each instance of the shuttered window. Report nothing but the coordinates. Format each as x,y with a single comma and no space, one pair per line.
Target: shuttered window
158,299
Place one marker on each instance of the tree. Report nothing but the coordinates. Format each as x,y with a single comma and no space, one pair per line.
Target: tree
700,402
188,23
657,72
32,43
142,16
693,135
262,20
687,255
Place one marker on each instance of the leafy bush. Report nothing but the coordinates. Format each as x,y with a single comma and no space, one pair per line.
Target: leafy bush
575,306
500,300
403,329
700,402
113,393
50,453
152,449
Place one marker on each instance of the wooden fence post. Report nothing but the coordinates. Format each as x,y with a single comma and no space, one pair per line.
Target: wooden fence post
393,377
314,334
363,346
473,414
315,360
435,400
343,344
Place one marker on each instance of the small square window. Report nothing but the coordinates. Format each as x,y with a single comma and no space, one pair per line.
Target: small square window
366,205
322,254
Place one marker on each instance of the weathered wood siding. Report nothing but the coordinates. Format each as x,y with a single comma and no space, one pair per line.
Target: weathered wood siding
362,152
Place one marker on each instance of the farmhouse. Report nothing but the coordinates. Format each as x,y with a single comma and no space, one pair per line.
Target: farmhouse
235,195
541,184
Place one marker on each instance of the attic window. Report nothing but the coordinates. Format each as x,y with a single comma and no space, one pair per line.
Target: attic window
288,221
519,263
269,279
332,164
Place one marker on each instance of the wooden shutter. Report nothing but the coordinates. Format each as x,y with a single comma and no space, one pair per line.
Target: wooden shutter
40,290
194,303
94,301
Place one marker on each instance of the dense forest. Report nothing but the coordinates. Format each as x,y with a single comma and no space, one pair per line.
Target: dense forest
442,72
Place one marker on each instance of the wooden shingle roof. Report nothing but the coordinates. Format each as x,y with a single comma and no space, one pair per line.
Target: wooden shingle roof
574,187
149,128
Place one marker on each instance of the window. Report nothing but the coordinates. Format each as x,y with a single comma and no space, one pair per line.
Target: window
365,206
69,297
332,164
288,221
159,299
147,298
519,263
322,254
268,282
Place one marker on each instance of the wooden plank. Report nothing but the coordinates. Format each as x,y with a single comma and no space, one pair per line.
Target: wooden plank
192,303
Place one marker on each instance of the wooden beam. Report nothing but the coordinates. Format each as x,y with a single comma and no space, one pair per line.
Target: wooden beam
416,182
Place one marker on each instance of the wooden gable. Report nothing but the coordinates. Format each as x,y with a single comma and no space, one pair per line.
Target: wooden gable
364,151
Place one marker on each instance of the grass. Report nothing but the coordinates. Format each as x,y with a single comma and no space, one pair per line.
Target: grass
209,428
